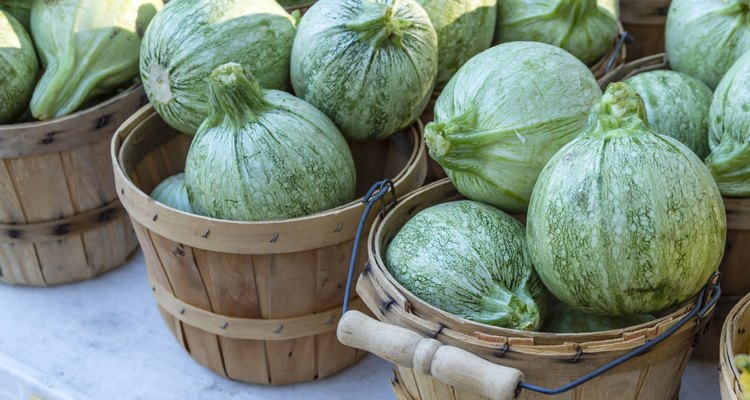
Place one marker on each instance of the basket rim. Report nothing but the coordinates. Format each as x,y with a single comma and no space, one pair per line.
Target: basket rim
729,379
130,193
480,331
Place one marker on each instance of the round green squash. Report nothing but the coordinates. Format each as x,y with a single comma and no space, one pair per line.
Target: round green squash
18,69
705,37
172,192
87,47
369,65
584,28
471,260
464,28
265,154
729,161
625,221
677,105
190,38
504,115
563,319
19,9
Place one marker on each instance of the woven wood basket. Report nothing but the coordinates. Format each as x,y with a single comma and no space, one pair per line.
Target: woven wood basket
735,278
548,360
60,219
644,20
735,339
252,301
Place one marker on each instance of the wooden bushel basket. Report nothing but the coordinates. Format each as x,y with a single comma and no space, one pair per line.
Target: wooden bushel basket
735,276
491,360
60,219
735,339
644,20
253,301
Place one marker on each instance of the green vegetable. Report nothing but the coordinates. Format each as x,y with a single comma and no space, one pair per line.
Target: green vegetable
471,260
87,47
370,65
265,154
625,221
18,69
584,28
677,105
190,38
563,319
705,37
504,115
172,192
729,161
464,28
19,9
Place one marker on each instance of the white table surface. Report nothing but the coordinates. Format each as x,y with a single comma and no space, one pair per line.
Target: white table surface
104,339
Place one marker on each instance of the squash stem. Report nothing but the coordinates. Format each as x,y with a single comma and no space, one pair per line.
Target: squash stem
620,113
234,95
381,28
509,309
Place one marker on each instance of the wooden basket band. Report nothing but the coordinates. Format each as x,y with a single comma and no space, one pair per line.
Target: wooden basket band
250,329
51,231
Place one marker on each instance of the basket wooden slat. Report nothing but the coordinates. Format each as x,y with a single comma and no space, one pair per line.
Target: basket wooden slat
60,219
545,358
644,20
735,339
252,301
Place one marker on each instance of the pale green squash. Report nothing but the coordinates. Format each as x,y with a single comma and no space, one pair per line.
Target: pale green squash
172,192
18,68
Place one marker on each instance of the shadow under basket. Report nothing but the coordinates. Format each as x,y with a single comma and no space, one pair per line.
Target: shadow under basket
487,359
253,301
60,219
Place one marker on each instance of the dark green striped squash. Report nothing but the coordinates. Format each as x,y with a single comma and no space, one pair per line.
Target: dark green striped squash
18,68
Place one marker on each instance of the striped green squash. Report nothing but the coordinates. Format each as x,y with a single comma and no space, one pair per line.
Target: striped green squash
677,105
87,47
19,9
370,65
563,319
705,37
464,28
265,154
729,161
584,28
471,260
189,38
624,221
172,192
18,68
504,115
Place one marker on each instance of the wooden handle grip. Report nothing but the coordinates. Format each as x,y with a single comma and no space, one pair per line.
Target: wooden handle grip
448,364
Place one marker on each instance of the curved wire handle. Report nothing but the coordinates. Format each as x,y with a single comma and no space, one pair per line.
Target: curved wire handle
624,37
376,193
699,311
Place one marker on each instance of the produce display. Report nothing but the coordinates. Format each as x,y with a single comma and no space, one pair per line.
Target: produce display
705,37
172,192
464,28
190,38
585,28
386,50
729,138
87,47
19,9
469,259
504,115
265,154
684,116
623,220
563,319
18,71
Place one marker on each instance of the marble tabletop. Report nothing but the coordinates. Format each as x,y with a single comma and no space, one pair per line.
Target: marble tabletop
104,339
